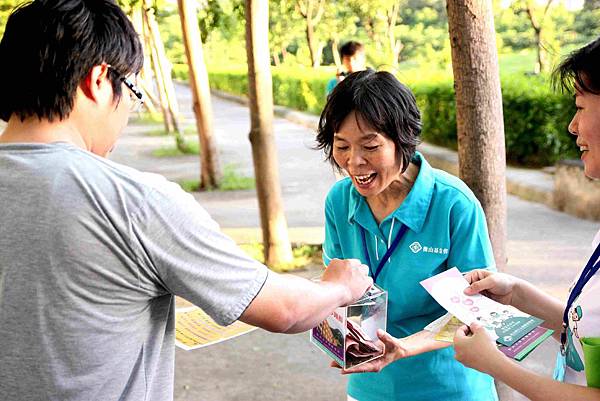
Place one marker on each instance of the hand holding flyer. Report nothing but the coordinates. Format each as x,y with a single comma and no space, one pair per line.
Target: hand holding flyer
504,323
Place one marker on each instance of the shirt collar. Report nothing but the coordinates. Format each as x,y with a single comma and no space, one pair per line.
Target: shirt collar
413,209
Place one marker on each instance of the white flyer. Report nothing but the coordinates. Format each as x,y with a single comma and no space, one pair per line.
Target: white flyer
504,323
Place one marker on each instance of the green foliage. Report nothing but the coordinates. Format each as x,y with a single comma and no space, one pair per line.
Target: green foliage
302,87
438,112
303,255
224,16
285,26
557,25
186,131
233,80
535,119
421,28
6,7
513,28
516,63
191,148
587,23
180,71
231,181
146,118
424,32
298,88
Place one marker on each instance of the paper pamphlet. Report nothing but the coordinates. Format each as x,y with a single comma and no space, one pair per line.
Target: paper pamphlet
520,349
195,329
504,323
446,332
445,327
438,323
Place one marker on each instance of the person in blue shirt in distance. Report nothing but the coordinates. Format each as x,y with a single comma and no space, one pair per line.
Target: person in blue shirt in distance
353,58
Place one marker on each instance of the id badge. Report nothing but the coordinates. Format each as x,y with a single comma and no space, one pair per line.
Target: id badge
560,367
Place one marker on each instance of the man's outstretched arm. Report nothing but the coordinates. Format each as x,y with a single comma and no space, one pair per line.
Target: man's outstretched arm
290,304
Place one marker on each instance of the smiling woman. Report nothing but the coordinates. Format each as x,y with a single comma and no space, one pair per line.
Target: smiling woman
577,369
390,212
371,161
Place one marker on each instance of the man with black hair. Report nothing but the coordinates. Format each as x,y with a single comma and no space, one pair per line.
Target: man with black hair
353,58
93,252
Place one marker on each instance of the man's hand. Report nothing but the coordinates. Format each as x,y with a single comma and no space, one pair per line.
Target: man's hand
350,274
497,286
475,348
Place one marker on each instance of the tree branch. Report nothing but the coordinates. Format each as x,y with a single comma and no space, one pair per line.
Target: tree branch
320,11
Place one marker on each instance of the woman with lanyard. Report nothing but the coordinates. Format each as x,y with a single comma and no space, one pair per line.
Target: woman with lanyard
577,323
407,222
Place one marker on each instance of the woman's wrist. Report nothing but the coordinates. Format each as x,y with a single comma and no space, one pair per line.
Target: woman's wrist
519,290
498,364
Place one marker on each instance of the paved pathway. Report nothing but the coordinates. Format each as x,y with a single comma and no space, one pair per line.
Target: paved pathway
545,246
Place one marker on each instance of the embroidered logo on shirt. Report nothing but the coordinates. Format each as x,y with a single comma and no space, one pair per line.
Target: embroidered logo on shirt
431,249
415,247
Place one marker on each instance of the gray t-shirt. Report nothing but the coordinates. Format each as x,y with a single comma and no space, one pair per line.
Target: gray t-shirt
91,254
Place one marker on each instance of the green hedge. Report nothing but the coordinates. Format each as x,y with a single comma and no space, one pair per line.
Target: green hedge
535,118
295,88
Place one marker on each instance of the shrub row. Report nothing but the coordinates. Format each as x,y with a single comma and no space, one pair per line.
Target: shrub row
535,120
535,117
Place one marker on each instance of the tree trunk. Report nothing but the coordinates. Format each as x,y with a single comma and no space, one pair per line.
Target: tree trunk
165,74
312,17
394,45
370,29
198,77
398,46
538,25
539,65
537,31
481,150
276,59
156,69
310,38
165,65
319,55
149,98
336,53
138,23
284,54
264,153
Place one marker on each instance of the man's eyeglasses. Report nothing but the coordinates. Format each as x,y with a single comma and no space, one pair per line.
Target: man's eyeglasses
135,95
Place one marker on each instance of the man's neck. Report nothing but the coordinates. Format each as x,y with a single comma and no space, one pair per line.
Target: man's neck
34,130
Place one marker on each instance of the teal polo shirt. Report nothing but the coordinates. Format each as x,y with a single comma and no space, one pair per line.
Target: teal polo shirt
446,228
331,84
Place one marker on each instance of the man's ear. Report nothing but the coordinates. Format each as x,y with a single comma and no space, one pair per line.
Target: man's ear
96,86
